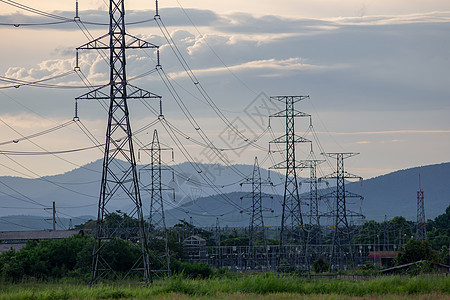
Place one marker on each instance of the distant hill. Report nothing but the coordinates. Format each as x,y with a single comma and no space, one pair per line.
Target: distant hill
76,194
22,222
390,195
395,194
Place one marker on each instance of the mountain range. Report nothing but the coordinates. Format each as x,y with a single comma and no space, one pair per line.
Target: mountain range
26,203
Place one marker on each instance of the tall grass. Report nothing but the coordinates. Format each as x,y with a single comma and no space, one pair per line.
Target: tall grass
257,285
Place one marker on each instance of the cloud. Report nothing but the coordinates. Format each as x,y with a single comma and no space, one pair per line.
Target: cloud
377,20
268,67
405,131
27,121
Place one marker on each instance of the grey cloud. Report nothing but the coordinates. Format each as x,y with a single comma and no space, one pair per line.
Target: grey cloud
387,66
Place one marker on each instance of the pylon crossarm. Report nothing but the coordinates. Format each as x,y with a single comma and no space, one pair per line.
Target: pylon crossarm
296,139
137,43
294,99
97,94
103,43
138,93
283,165
132,93
294,113
96,44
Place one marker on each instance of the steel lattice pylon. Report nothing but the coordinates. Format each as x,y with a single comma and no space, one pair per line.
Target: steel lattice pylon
258,256
217,234
118,177
421,231
291,221
341,250
314,232
157,221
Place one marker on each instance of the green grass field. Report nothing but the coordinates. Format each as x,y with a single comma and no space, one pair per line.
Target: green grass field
268,286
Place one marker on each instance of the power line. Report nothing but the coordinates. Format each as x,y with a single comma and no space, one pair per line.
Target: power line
35,11
214,52
28,153
38,134
198,85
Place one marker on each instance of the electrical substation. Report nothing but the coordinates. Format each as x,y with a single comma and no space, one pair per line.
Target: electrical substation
322,222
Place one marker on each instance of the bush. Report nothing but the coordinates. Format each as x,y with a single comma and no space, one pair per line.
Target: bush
47,259
320,265
416,251
195,270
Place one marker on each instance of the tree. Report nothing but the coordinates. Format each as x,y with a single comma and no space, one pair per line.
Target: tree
47,259
415,251
320,265
444,255
439,230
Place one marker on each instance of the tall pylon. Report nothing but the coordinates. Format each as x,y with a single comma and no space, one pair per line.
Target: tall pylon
258,254
218,244
421,231
119,178
292,230
157,222
342,247
386,234
314,232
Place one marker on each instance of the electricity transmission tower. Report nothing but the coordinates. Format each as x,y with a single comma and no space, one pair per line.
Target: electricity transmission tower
314,232
119,179
291,221
157,221
218,245
342,248
257,232
386,233
421,231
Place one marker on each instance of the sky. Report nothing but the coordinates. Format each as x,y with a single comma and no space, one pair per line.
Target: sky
376,73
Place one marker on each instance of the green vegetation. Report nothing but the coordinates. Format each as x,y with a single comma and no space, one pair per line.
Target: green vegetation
60,269
251,286
48,259
396,231
320,265
70,258
415,251
438,230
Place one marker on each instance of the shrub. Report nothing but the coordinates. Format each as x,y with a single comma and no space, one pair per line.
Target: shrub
320,265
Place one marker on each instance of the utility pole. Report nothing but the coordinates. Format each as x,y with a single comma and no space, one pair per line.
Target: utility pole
157,220
421,231
342,237
54,216
257,232
118,177
53,219
292,230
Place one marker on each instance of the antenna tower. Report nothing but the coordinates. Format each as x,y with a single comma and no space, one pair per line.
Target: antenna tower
421,232
342,237
118,178
291,221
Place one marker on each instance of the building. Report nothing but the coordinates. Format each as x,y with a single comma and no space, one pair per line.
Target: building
17,239
195,248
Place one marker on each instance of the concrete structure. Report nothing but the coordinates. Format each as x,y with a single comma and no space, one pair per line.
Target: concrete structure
195,247
18,239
